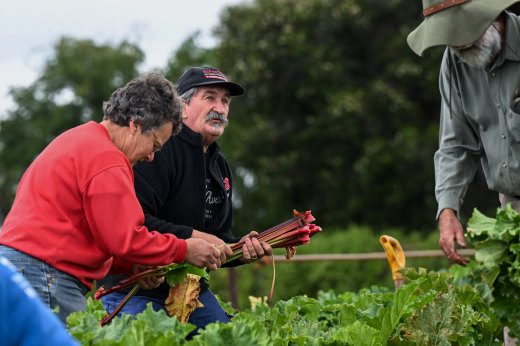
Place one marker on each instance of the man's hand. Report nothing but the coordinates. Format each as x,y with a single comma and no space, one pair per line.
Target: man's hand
451,230
252,249
208,237
225,250
204,254
148,283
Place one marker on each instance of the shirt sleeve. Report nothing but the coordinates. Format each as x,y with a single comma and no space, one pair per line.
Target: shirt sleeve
24,319
457,158
116,221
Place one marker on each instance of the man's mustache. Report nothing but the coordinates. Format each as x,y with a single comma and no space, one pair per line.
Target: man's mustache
213,115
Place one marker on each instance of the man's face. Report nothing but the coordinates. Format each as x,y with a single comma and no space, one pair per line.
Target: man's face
207,113
482,52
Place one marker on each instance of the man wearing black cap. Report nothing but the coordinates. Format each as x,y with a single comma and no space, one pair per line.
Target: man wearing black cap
480,72
187,189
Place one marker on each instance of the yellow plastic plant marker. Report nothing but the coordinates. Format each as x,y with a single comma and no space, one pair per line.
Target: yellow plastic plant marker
395,256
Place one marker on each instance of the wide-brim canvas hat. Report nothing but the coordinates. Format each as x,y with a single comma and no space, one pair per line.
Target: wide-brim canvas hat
454,22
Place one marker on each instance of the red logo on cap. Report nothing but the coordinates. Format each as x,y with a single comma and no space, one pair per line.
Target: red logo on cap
214,74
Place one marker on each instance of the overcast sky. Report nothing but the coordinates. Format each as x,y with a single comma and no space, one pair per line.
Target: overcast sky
30,28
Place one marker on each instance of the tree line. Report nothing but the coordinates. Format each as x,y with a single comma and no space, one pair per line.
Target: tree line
340,116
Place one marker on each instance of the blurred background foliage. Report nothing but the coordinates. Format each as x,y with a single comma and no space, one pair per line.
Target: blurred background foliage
340,117
307,278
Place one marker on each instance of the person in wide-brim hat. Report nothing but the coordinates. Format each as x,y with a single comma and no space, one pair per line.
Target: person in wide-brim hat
454,22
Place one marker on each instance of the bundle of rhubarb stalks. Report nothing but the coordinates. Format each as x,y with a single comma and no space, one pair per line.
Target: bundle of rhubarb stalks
289,234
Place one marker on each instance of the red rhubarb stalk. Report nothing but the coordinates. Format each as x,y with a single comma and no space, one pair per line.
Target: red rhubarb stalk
289,234
159,271
274,277
125,300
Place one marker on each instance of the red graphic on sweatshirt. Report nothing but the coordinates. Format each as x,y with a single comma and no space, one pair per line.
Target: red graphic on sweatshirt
226,182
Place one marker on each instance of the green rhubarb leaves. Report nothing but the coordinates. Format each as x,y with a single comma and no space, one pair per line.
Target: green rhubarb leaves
149,328
402,305
429,309
438,323
491,252
243,331
176,272
497,244
467,306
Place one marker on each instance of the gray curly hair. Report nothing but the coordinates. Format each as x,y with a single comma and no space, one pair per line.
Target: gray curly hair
150,100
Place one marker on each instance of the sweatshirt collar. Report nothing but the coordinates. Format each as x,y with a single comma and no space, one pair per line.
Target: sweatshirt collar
194,138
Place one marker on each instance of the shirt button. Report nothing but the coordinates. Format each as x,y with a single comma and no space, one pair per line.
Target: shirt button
503,136
493,74
498,105
48,275
504,165
49,284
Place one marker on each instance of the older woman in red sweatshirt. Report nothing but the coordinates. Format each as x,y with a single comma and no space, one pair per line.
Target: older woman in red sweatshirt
76,216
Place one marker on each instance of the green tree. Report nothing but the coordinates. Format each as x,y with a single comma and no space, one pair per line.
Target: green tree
190,53
340,116
70,91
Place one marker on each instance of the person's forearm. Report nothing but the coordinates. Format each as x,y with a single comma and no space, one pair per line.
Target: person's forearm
156,224
446,214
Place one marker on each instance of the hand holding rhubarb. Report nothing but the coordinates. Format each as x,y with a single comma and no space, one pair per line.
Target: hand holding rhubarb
204,254
173,273
208,237
149,282
289,234
252,249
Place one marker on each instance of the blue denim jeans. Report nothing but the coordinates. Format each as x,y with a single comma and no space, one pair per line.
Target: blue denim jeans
55,288
200,317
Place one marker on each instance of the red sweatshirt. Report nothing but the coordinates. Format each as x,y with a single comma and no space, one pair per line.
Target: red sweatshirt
76,210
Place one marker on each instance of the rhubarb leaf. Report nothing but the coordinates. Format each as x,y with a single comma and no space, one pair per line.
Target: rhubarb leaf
176,272
403,298
148,328
358,334
498,259
156,328
438,323
481,225
183,298
243,330
347,314
491,252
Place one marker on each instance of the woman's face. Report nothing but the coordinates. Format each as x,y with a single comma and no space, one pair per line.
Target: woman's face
141,147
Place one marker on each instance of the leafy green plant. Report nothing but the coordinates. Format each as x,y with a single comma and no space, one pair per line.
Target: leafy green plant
428,309
174,273
496,272
149,328
295,278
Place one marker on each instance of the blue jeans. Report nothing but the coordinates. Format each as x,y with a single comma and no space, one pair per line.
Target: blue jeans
200,317
55,288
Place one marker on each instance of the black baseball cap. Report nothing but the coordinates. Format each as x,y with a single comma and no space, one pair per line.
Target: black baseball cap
207,75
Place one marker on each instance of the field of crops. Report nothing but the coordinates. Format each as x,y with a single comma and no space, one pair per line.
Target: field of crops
465,306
